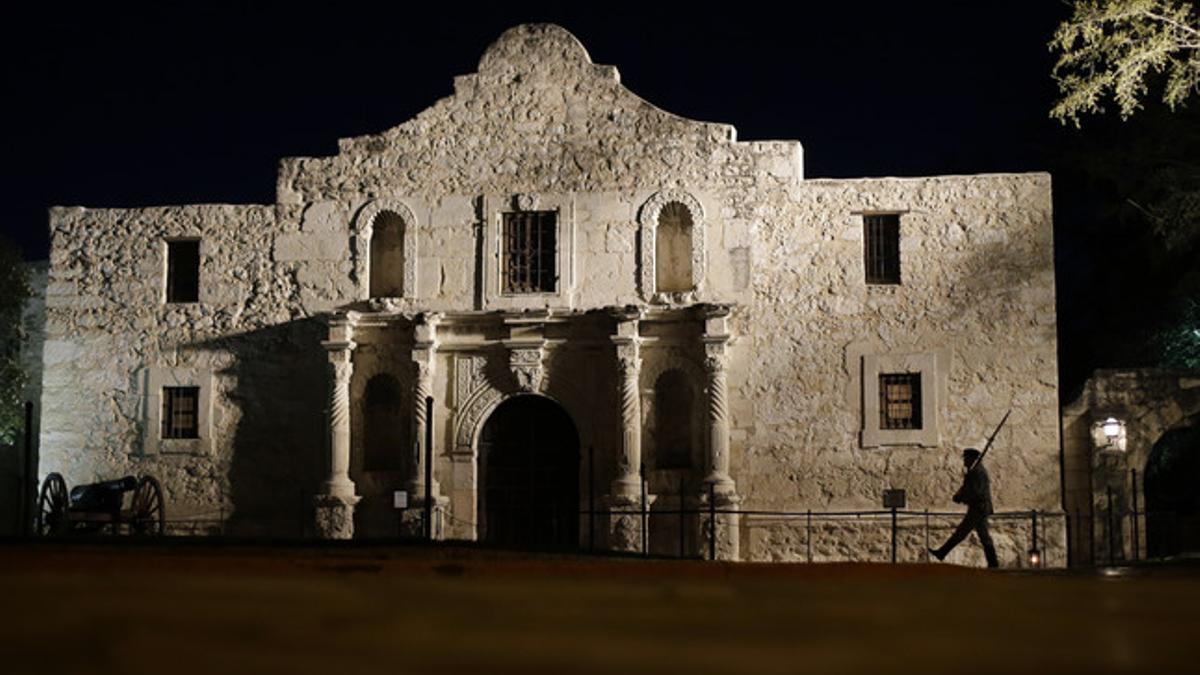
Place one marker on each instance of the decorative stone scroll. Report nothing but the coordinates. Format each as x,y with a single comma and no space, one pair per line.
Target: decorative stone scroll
526,201
470,373
527,368
470,417
648,227
361,231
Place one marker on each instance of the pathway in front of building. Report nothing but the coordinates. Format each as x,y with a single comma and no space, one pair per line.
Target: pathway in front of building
101,609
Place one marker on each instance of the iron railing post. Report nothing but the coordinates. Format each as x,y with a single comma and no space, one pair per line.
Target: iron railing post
926,535
893,535
1136,528
712,521
591,498
808,534
1111,535
682,521
28,492
1035,539
645,547
428,516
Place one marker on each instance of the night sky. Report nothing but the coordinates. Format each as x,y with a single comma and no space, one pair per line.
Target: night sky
176,104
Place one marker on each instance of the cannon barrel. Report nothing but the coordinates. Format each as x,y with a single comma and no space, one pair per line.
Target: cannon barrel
102,496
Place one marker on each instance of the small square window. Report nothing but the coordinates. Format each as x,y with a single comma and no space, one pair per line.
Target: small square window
181,412
900,401
183,271
881,242
530,251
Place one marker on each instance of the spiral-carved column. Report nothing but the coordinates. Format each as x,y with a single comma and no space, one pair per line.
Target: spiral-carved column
339,482
422,390
335,503
718,422
718,484
624,499
424,357
629,458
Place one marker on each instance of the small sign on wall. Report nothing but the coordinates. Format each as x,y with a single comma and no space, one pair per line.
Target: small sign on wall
400,499
894,499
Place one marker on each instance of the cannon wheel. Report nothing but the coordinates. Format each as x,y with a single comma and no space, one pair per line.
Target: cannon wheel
148,516
52,506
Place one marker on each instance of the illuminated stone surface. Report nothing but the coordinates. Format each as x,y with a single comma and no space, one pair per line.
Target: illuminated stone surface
778,300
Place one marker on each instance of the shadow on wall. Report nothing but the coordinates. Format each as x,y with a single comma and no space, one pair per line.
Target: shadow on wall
279,383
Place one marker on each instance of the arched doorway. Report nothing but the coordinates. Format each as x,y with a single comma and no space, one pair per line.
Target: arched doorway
1172,499
529,476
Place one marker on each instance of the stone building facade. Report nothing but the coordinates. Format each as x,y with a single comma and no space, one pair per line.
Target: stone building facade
582,285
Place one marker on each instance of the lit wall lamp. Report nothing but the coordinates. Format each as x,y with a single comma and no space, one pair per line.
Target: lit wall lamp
1112,429
1109,434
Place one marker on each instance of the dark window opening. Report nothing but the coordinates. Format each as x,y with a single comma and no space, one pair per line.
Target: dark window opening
882,245
181,412
529,251
900,401
183,271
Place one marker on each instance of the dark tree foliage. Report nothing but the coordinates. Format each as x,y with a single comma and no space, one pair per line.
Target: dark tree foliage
1127,221
1178,341
14,289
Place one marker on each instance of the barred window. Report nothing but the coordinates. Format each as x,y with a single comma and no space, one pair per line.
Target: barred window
181,411
529,251
900,401
183,270
881,241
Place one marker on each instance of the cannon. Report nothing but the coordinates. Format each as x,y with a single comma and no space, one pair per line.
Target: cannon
91,508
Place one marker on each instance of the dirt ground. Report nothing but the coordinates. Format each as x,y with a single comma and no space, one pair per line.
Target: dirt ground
99,608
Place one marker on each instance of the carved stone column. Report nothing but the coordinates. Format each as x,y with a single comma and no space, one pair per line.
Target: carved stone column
336,501
718,483
626,491
424,359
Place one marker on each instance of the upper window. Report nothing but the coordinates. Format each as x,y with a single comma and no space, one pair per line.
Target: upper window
183,270
387,256
900,401
181,412
530,252
881,239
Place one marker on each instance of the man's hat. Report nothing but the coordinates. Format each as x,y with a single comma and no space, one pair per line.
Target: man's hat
971,453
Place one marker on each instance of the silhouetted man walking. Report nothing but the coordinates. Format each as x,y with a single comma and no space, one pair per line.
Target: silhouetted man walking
976,493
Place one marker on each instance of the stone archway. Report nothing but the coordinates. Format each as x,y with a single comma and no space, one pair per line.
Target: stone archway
1172,505
1104,476
529,462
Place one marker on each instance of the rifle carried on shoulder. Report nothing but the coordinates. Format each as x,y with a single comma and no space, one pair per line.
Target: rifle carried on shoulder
989,441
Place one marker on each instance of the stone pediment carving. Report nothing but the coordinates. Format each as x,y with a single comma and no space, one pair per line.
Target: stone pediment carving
538,49
526,365
523,59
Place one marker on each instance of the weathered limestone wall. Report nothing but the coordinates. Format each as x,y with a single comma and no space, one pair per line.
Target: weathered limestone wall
977,296
110,337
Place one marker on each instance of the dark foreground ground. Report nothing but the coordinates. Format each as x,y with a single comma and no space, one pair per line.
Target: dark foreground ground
190,609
